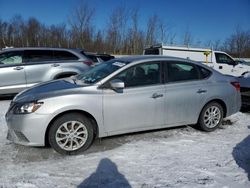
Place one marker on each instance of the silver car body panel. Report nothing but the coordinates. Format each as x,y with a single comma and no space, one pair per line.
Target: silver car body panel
134,109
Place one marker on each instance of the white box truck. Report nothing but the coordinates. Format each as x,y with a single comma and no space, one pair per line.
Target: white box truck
218,60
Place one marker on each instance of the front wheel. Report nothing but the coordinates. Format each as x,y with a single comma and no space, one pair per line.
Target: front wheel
71,134
211,117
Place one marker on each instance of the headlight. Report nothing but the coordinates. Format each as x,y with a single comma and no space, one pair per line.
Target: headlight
27,108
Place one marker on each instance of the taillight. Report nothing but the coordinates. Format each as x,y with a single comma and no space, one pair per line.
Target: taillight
89,63
236,85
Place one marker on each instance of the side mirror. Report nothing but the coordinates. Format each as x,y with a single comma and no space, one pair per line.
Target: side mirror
117,84
236,63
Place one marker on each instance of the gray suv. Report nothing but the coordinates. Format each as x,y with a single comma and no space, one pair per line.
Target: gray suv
21,68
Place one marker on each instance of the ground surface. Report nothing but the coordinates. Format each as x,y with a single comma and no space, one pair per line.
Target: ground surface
179,157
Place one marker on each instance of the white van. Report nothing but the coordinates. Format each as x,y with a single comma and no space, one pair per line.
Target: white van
218,60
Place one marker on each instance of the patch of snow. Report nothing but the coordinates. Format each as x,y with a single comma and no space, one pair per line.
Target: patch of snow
176,157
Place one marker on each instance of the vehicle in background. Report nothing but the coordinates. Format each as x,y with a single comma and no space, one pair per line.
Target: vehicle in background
245,91
218,60
240,61
21,68
129,94
98,58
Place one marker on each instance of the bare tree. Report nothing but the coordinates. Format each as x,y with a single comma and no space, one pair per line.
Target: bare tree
238,43
188,38
151,30
3,33
81,25
99,45
117,26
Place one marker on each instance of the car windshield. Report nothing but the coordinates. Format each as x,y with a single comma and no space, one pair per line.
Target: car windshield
100,71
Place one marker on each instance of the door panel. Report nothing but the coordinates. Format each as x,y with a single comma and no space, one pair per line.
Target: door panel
185,92
12,79
40,66
40,72
184,101
224,64
134,109
140,105
12,74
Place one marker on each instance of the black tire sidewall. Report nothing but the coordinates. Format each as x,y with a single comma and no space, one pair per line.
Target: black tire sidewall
70,117
201,123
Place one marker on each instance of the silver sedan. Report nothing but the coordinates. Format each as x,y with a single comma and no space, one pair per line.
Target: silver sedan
120,96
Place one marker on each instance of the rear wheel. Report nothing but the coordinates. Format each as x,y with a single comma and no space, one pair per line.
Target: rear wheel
211,117
71,134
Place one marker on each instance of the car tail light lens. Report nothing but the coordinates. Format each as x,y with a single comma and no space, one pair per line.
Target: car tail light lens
236,85
89,63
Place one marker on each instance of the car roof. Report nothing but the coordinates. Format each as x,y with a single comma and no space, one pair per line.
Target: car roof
78,52
152,57
42,48
147,58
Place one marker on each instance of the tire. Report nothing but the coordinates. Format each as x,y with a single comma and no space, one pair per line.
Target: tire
210,117
71,134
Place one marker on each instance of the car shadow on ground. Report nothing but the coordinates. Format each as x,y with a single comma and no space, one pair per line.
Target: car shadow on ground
241,154
105,176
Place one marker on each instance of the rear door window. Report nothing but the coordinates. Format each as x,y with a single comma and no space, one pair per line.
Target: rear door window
64,55
178,71
38,55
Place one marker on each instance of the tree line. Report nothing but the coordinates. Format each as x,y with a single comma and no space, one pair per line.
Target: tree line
123,33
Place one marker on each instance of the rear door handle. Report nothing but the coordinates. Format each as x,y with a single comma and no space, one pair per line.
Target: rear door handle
18,68
201,91
55,65
156,95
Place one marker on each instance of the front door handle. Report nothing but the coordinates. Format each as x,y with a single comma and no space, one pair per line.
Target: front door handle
55,65
220,67
18,68
156,95
201,91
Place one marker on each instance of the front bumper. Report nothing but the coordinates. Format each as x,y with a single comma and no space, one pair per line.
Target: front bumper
27,129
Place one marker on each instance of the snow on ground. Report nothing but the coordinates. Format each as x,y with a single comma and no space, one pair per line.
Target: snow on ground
177,157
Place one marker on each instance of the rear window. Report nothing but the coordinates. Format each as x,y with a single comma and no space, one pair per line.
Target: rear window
64,55
93,58
152,51
38,55
204,73
106,58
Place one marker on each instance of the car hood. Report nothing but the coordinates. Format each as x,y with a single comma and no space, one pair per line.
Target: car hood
48,89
